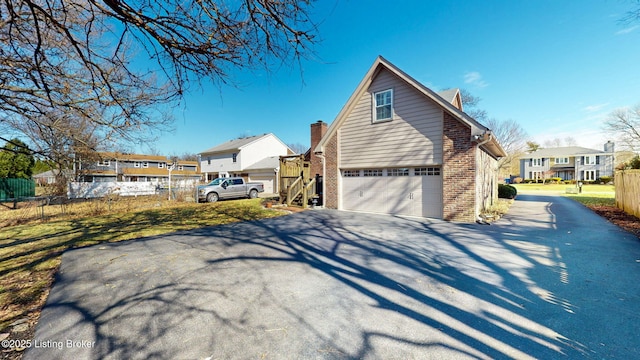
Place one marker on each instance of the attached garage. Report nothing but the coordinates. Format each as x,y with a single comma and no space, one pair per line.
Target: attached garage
399,148
415,191
266,172
267,181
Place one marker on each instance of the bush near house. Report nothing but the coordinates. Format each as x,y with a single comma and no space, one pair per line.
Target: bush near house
604,180
507,191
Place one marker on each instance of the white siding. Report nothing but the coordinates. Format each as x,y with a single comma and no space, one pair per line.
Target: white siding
260,149
268,179
220,163
413,137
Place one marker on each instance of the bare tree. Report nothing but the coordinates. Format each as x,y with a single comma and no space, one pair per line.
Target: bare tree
513,139
74,71
298,148
632,15
624,123
553,143
570,141
470,105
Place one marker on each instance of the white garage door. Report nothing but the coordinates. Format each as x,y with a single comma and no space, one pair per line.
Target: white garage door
398,191
267,181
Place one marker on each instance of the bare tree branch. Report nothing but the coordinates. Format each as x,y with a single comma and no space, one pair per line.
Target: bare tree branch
72,73
624,123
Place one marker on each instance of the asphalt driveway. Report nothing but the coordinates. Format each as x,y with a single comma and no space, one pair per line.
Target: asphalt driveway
550,280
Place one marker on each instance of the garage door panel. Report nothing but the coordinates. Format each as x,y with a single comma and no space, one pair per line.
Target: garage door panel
429,196
413,195
266,181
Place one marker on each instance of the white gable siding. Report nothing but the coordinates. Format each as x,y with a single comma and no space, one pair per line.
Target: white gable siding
413,137
220,163
260,149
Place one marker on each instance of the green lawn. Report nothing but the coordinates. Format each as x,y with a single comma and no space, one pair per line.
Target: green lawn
30,254
592,195
586,189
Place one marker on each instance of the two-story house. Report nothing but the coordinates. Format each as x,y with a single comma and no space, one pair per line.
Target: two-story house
254,158
569,163
114,166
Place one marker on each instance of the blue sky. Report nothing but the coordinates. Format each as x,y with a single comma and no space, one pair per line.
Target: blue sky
556,67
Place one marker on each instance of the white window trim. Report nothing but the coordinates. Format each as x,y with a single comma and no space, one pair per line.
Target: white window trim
589,160
588,178
562,160
536,162
375,107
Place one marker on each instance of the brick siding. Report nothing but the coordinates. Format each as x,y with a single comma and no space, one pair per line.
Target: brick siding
331,173
318,129
458,171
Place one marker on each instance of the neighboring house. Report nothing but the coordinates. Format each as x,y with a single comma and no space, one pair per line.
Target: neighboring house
45,178
254,158
399,148
569,163
136,168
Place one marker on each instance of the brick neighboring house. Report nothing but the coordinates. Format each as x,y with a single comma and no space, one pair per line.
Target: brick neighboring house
397,147
114,166
566,162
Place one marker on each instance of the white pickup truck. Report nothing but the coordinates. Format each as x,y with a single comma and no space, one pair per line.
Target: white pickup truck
228,188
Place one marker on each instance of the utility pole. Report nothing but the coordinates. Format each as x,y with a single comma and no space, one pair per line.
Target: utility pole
170,168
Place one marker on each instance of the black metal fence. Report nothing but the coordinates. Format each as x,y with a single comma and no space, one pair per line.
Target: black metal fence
16,189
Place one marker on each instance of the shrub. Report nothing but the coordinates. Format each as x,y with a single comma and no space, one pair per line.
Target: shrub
517,180
604,180
507,191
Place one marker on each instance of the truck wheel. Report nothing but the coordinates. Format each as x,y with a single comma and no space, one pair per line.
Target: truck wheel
212,197
253,194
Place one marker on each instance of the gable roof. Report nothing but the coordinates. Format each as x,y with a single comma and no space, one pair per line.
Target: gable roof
451,95
562,151
238,144
478,130
271,162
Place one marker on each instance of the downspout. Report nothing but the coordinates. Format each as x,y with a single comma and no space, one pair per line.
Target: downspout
324,172
484,141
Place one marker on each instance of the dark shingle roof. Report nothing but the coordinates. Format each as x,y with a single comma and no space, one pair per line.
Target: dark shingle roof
235,144
271,162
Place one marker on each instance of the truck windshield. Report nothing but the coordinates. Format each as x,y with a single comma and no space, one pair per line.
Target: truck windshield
216,181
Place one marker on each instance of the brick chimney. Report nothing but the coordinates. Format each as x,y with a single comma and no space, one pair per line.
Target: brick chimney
318,129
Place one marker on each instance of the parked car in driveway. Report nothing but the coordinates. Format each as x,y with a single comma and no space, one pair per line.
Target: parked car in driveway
229,188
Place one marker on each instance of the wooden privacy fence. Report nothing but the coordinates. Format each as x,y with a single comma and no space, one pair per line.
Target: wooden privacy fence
628,191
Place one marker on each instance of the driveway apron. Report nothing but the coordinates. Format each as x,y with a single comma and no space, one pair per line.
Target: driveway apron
549,280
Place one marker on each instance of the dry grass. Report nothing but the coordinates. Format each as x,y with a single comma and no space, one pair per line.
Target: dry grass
30,252
497,210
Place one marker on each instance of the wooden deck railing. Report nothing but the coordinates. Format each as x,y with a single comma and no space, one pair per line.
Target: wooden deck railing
294,190
309,192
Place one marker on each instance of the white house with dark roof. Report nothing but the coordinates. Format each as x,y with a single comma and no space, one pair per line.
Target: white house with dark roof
251,158
569,163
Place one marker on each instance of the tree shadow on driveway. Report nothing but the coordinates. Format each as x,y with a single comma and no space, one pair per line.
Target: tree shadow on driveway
328,284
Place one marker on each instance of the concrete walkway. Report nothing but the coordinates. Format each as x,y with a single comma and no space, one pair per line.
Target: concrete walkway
550,280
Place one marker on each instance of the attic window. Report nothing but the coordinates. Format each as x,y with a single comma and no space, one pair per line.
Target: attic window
383,103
